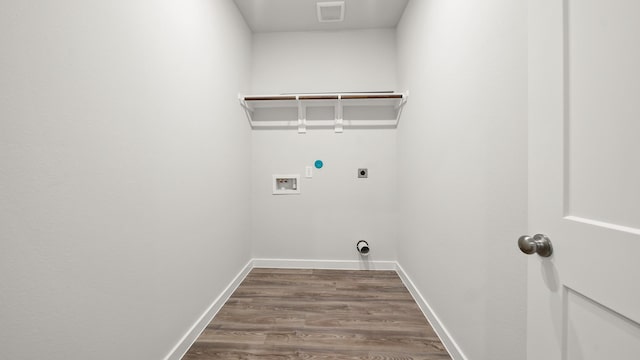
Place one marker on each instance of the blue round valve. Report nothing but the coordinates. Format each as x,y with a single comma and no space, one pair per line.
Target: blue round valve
319,164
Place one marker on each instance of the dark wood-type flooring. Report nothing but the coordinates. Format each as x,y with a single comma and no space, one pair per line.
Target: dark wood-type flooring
319,314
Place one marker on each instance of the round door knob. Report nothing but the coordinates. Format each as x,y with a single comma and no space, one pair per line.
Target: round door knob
539,244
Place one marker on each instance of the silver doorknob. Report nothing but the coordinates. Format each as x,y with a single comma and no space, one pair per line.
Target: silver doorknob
537,244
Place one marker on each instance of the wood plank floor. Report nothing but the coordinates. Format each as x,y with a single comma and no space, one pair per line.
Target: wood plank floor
319,314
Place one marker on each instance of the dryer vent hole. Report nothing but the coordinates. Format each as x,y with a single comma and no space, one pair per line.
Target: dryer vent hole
362,247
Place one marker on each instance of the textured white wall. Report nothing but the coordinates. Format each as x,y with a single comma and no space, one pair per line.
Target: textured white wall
463,168
334,209
120,139
354,60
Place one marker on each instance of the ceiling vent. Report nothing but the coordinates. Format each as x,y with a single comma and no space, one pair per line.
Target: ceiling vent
331,11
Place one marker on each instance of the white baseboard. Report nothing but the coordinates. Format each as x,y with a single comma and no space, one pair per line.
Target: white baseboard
324,264
198,327
442,332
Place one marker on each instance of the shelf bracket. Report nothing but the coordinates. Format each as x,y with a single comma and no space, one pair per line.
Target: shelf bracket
302,117
400,106
246,108
338,115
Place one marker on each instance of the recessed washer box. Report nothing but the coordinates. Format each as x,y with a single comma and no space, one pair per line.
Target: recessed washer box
286,184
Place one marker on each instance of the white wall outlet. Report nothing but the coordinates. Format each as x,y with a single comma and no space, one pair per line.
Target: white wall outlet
308,172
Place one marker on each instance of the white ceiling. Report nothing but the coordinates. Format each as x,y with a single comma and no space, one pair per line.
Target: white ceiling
300,15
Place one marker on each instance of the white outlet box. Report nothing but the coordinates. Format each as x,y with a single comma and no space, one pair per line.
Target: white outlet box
286,184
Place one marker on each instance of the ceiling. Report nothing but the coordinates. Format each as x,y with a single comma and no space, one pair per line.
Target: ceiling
300,15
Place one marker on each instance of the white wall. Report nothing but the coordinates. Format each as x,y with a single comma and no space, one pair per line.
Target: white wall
462,168
334,209
117,121
352,60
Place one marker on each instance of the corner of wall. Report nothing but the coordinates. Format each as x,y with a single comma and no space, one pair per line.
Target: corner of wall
183,345
436,323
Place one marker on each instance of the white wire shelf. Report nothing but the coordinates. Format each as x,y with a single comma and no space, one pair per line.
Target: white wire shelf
326,110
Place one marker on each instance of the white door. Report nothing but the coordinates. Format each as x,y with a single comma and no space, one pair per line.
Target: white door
584,145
